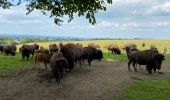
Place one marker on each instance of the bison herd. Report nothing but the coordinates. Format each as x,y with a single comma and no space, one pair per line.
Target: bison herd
64,57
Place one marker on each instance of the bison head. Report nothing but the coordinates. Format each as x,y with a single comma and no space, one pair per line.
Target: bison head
158,60
99,54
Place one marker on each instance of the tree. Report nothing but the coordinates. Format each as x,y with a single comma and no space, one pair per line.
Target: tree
59,8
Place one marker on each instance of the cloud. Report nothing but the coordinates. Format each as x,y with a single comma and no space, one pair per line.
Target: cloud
160,9
105,24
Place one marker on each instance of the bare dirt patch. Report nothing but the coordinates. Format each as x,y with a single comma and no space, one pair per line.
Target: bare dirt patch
101,81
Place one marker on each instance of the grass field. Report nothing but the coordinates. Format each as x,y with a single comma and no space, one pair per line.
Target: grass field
147,90
13,64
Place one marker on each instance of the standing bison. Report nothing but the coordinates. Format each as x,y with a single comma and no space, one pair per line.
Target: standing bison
53,48
151,58
26,50
114,48
129,47
42,58
91,53
71,53
58,63
36,46
10,49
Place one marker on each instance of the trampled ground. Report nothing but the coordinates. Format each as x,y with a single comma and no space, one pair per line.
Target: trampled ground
101,81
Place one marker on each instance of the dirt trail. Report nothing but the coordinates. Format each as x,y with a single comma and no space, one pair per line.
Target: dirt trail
101,81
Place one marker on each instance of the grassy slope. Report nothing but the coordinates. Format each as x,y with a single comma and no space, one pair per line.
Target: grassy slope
147,90
12,64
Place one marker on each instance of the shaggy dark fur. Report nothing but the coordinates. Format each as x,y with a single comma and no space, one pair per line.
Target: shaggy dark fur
151,58
58,63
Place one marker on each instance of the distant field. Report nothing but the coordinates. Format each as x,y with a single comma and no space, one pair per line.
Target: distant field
161,44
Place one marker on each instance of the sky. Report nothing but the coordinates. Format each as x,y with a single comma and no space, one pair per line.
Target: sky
123,19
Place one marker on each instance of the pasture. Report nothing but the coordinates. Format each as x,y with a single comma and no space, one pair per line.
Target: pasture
105,80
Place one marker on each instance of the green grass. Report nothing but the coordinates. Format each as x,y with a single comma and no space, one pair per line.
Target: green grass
147,90
13,64
115,58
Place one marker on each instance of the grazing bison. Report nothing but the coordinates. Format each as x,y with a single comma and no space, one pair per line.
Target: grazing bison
42,58
1,48
129,47
151,58
153,47
10,49
36,46
70,52
26,50
114,48
91,53
58,63
53,48
93,45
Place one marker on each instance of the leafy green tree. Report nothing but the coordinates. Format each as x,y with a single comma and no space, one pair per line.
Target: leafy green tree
60,8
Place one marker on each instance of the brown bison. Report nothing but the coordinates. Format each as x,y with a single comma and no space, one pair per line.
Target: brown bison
10,49
36,46
129,47
114,48
58,63
90,54
151,58
42,58
93,45
1,48
71,53
53,48
153,47
42,51
26,50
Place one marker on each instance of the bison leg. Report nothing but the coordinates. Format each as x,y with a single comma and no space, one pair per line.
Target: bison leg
89,61
134,66
154,69
149,69
130,61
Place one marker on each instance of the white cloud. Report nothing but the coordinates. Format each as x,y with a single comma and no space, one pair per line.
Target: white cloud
164,7
31,21
106,24
161,23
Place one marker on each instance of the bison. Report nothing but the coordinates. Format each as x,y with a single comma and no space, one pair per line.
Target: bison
53,48
26,50
93,45
58,63
114,48
10,49
1,48
42,51
71,53
36,46
91,53
129,47
153,47
61,45
151,58
43,58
